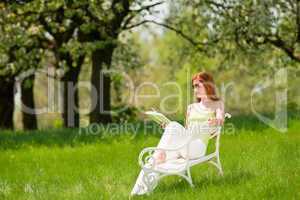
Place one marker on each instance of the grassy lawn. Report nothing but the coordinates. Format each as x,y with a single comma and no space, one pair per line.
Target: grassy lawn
258,162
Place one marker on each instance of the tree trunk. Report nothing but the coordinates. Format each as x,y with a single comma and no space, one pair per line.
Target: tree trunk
101,97
7,104
28,104
71,116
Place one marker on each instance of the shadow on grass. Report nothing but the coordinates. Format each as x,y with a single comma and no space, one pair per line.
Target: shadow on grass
229,179
71,137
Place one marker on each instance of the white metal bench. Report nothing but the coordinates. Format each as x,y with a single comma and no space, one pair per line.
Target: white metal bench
181,167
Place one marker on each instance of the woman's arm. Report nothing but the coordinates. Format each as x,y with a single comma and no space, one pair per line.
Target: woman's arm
220,113
219,121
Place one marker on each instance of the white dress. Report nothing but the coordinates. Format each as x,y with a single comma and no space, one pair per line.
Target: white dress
175,134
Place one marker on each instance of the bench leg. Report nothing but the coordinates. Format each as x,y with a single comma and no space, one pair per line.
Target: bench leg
190,177
217,164
187,176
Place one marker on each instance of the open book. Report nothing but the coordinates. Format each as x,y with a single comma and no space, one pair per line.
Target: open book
157,116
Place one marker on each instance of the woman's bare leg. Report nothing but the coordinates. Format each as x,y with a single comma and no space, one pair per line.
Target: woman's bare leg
159,156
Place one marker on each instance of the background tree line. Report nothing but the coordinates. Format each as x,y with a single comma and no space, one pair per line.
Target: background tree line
241,41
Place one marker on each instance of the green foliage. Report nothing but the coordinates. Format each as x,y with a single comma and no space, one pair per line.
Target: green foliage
58,123
225,47
124,113
19,44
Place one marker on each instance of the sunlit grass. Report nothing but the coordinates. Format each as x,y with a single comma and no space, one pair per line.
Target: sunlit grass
259,163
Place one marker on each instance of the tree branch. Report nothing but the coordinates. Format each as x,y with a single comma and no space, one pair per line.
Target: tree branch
148,7
281,44
278,42
219,5
133,13
199,45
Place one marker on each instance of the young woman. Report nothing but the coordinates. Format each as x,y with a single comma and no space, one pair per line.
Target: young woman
201,117
207,111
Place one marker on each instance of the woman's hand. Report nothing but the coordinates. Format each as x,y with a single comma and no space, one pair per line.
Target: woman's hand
215,122
163,125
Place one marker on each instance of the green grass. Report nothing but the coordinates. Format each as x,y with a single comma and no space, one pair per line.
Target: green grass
258,162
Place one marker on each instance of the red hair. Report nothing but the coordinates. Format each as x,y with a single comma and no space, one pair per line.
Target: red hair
208,82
